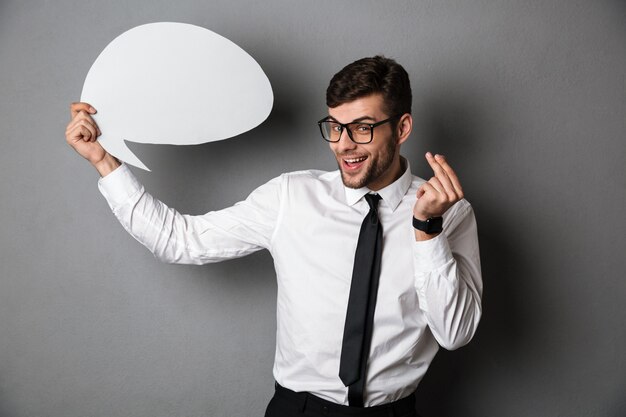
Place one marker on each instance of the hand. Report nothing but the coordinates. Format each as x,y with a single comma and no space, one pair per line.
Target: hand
81,134
440,192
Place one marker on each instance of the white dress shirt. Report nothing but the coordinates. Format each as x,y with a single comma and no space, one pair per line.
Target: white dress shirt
429,292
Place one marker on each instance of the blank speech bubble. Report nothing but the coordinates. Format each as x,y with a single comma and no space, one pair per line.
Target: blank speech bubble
174,83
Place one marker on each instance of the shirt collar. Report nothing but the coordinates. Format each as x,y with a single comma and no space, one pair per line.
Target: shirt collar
392,194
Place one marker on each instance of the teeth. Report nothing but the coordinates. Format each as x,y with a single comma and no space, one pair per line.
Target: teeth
354,160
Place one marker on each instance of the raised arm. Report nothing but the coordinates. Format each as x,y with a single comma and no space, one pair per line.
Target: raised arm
447,265
171,236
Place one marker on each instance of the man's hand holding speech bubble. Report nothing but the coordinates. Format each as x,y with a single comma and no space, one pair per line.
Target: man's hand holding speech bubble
166,83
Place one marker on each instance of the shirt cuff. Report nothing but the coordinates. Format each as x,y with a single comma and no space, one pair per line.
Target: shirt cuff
119,185
429,255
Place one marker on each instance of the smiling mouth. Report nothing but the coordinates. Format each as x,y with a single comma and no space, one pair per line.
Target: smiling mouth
353,163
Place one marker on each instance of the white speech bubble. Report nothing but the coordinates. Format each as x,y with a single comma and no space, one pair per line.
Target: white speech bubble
174,83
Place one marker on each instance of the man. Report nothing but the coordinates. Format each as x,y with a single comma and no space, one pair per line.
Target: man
376,268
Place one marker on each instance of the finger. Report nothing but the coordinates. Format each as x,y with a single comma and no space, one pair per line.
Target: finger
92,130
454,179
91,135
447,185
441,174
446,182
79,106
421,190
77,118
77,134
426,199
428,188
82,133
434,181
434,164
76,121
83,117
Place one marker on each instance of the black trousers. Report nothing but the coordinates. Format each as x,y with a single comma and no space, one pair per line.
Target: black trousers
287,403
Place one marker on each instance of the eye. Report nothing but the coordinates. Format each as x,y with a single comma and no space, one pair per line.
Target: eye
335,127
362,129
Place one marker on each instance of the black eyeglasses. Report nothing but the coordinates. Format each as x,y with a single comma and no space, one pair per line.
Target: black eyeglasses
358,132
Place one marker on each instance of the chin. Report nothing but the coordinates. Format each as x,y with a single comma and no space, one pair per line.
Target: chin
356,186
355,182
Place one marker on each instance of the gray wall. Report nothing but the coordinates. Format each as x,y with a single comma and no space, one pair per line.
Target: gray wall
527,98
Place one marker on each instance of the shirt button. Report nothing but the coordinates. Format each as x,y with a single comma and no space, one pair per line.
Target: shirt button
325,410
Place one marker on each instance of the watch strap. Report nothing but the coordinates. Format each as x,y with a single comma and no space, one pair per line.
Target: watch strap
429,226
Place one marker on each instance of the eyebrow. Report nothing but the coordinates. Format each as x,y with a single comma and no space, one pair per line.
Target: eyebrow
360,119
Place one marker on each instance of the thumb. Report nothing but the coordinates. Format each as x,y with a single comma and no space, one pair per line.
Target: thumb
421,191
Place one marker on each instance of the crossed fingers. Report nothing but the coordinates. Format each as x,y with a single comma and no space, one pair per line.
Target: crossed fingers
445,180
441,191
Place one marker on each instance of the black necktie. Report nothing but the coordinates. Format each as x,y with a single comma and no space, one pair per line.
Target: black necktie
357,333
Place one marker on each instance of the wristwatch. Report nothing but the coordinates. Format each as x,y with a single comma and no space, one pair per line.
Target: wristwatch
429,226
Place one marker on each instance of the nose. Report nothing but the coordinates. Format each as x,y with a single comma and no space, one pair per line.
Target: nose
345,143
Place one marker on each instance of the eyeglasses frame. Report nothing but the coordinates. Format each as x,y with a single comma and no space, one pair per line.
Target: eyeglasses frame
344,126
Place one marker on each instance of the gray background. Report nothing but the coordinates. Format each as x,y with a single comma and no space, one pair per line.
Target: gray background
527,99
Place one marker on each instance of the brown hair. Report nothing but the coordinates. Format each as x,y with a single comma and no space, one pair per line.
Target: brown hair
371,76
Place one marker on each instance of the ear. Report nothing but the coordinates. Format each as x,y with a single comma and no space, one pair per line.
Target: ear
405,125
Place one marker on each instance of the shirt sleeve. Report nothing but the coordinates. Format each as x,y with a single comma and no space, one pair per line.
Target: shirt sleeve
448,278
172,237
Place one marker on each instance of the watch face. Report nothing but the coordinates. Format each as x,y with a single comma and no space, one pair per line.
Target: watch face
434,225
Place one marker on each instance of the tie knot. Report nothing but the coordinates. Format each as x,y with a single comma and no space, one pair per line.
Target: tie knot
372,200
